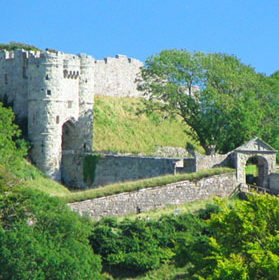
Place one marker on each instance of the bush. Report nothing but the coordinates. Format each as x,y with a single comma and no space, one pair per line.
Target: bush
139,246
12,46
40,238
12,149
240,242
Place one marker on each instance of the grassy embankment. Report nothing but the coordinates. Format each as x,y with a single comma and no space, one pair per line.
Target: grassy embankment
118,128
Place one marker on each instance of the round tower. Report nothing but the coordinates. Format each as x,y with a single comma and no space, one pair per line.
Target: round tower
53,90
86,101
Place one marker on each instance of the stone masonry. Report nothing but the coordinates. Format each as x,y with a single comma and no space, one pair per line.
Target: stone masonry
146,199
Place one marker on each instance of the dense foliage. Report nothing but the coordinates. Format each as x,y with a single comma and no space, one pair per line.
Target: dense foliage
40,238
222,100
12,148
137,246
12,46
241,242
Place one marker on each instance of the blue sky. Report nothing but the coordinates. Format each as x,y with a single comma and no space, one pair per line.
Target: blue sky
248,29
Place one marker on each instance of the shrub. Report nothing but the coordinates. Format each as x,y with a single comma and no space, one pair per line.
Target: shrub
12,149
40,238
240,242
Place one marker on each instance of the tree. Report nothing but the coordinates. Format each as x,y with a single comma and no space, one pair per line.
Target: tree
40,238
242,244
216,95
12,148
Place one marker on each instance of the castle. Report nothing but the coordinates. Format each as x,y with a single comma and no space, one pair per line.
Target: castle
54,92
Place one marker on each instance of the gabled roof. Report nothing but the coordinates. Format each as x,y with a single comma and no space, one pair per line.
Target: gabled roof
256,144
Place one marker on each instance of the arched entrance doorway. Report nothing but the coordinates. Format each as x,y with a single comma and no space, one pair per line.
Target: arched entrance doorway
68,146
256,169
264,157
68,136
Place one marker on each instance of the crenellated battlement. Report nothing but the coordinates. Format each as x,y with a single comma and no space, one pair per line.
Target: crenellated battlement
118,58
115,76
37,57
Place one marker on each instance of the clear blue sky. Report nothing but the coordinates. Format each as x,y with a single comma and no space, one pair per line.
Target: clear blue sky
248,29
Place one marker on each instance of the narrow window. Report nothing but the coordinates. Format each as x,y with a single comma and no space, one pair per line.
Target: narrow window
24,76
48,92
70,104
47,77
57,119
6,79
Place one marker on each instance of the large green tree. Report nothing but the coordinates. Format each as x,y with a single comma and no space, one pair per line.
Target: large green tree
221,99
241,242
41,238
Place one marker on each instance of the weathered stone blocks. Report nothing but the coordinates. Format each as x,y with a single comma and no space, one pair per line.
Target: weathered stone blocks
147,199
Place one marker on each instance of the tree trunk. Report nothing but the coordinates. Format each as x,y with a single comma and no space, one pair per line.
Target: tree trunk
210,150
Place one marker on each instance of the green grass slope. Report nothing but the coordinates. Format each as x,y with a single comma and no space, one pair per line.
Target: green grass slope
31,177
118,128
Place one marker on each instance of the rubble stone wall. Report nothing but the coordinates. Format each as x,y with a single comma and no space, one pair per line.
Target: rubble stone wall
147,199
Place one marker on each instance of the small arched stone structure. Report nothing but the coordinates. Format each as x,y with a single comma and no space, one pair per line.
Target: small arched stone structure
265,154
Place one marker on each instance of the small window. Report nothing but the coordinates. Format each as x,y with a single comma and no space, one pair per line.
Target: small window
48,92
47,77
57,119
24,76
70,104
6,79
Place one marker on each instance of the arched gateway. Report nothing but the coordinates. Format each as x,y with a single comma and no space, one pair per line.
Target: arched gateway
266,160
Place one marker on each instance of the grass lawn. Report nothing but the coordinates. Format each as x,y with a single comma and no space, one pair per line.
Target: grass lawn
251,169
119,128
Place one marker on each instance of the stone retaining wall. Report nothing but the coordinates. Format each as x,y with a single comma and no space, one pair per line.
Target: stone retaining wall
114,169
146,199
274,181
216,160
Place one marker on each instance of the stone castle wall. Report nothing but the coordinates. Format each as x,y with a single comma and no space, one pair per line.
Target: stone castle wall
114,169
211,161
14,81
158,197
116,76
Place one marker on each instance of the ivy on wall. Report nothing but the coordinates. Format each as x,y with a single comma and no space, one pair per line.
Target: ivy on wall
89,168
